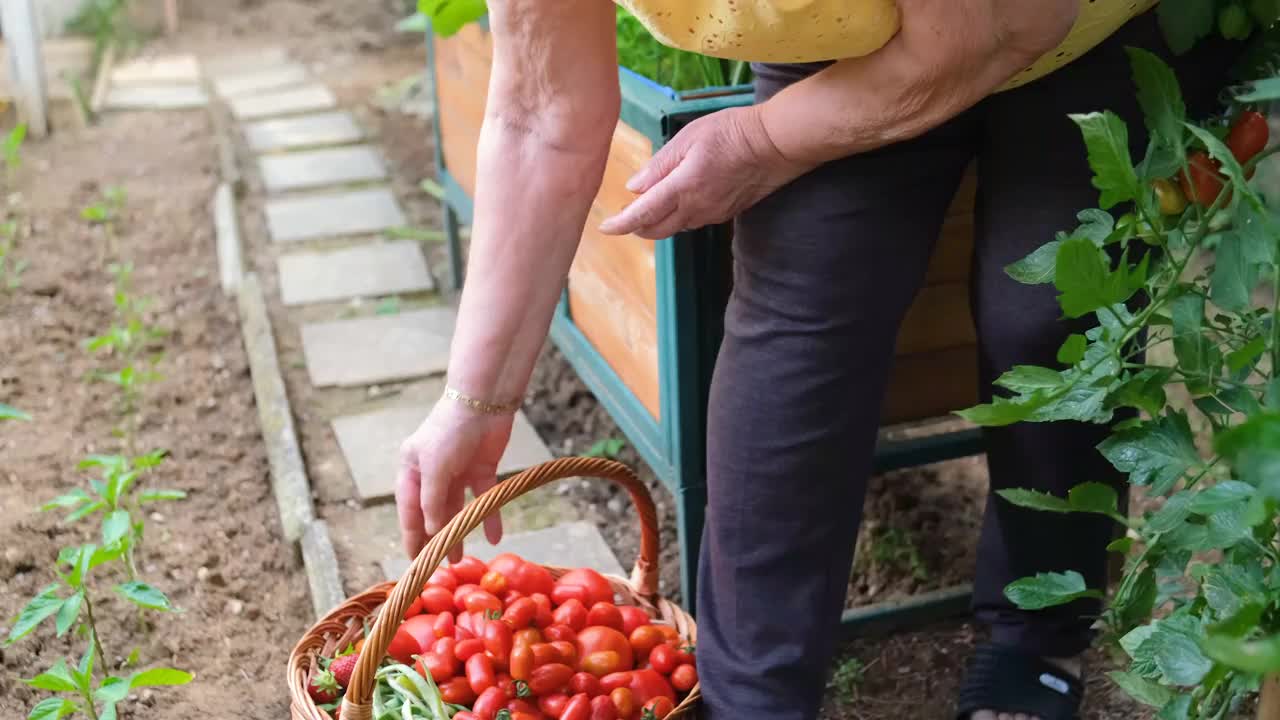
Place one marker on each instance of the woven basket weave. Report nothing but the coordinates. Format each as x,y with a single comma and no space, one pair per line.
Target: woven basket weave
386,603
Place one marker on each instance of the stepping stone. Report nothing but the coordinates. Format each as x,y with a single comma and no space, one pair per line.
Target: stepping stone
331,128
332,214
303,99
371,442
318,168
369,350
367,270
246,61
572,545
159,70
156,97
257,81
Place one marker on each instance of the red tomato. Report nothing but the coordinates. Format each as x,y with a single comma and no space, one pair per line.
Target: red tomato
493,583
521,715
622,700
482,601
444,578
1248,136
610,683
586,683
479,621
510,597
1203,182
605,615
460,596
531,579
528,636
545,654
557,633
647,685
601,663
460,633
519,614
465,714
670,633
644,639
489,703
544,616
509,688
520,705
498,642
446,648
469,570
572,613
579,708
404,646
602,708
684,653
684,678
562,594
599,639
507,564
663,658
444,625
551,705
632,618
521,663
440,669
464,649
458,692
568,652
480,673
421,627
597,587
415,608
550,678
660,707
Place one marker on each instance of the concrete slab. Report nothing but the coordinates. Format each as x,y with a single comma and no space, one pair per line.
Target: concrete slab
370,443
320,168
244,61
368,270
355,212
331,128
572,545
157,70
303,99
226,225
364,351
260,80
156,97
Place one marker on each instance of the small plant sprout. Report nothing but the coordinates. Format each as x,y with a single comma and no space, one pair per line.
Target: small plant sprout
607,448
11,267
846,680
13,151
9,412
106,212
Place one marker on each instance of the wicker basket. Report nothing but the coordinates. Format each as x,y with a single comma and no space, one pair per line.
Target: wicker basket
344,624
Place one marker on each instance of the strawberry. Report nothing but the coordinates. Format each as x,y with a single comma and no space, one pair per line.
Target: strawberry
324,688
343,667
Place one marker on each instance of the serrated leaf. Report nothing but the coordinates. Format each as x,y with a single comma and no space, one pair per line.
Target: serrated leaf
1141,689
150,496
1048,590
9,412
35,612
160,677
1086,283
1156,453
1072,351
55,679
143,595
51,709
1107,141
69,613
1234,278
1221,496
1254,656
1035,500
1003,411
1159,95
1094,498
1185,22
1036,268
115,526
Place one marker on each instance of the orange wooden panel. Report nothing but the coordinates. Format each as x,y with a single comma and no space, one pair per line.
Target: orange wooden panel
929,385
938,319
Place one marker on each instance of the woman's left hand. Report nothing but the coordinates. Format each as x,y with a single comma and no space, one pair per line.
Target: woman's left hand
716,167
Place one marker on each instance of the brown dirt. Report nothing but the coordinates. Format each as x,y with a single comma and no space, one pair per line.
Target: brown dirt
245,609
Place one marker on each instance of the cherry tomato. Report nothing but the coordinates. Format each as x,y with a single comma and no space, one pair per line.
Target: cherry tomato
510,687
544,616
568,652
610,683
460,596
659,707
521,664
458,692
446,648
670,633
684,653
460,633
1169,197
440,669
562,594
551,678
498,641
443,577
601,663
521,715
480,673
415,608
684,678
647,685
510,597
663,658
602,708
572,613
465,714
579,708
507,564
469,570
551,705
493,583
444,625
623,701
605,615
481,601
528,636
421,627
545,654
632,618
531,579
489,703
520,705
644,639
519,614
557,633
597,639
597,587
1249,135
403,647
585,683
1203,182
464,649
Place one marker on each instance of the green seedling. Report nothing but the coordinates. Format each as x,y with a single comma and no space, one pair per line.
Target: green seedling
607,448
895,548
106,212
847,679
9,412
13,150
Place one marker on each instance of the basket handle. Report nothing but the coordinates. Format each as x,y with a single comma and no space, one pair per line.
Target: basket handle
644,578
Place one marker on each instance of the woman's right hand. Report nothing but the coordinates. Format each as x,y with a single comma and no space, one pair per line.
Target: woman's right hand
454,449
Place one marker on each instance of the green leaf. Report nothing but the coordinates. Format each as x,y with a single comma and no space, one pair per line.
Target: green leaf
1180,659
55,679
1030,378
52,709
41,606
106,554
1141,689
1220,497
160,677
1144,391
1260,91
1086,283
1036,268
1155,453
1245,621
449,16
150,460
1185,22
85,669
1254,656
1136,597
1120,545
115,526
1179,708
1094,497
80,569
142,594
9,412
69,613
1036,500
109,462
1234,278
72,499
1246,356
1048,590
1159,95
84,511
159,495
112,690
1003,411
1107,141
1072,351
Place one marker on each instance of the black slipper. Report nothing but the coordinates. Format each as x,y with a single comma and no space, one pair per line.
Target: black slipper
1012,681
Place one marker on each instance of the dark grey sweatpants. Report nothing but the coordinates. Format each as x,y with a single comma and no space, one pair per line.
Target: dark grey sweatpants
824,271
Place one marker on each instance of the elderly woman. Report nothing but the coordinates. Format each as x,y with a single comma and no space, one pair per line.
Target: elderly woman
838,178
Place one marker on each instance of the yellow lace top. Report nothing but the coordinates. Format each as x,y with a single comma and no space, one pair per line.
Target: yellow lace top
813,30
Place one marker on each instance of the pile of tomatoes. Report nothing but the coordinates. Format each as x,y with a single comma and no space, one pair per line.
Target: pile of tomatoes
508,641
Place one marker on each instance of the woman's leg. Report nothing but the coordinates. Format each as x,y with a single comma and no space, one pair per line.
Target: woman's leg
1033,179
824,270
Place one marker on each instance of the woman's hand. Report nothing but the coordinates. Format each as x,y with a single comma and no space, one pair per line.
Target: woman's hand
716,167
454,449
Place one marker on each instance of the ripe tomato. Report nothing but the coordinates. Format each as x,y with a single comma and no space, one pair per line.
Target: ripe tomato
460,633
1249,135
460,596
562,594
647,685
403,646
605,615
586,683
546,654
444,625
568,652
521,664
531,579
579,708
600,639
544,616
551,678
521,715
1203,182
507,564
482,601
663,658
597,587
551,705
519,614
632,618
464,649
520,705
422,628
494,583
458,692
557,633
465,714
684,653
498,642
659,707
469,570
489,703
440,669
684,678
444,578
601,663
602,708
670,633
572,613
446,648
622,700
415,608
610,683
644,639
528,636
480,673
509,597
1169,197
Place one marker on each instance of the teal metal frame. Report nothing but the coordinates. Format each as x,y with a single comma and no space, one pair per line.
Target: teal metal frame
693,287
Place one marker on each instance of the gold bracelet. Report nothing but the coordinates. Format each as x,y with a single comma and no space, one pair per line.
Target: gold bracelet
481,406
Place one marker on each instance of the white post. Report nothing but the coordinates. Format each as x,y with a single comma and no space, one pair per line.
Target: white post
26,62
